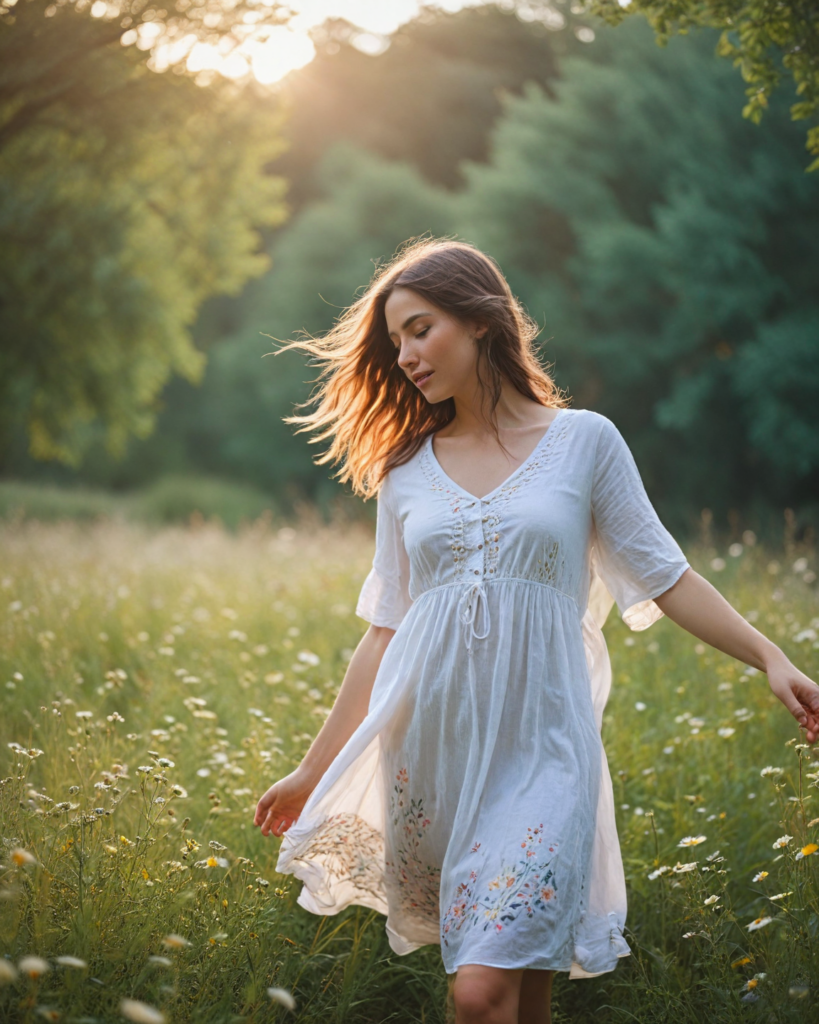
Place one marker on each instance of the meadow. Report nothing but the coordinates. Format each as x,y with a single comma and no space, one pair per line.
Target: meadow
155,680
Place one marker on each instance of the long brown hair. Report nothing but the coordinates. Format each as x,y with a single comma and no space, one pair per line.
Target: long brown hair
375,416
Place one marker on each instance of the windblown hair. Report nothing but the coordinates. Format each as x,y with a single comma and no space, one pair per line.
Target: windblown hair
377,418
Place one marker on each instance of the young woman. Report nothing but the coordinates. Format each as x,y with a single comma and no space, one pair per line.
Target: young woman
459,784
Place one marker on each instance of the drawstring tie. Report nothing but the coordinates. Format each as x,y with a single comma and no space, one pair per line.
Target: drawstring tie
468,610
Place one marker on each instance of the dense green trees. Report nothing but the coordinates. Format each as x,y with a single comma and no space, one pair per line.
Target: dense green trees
126,199
666,245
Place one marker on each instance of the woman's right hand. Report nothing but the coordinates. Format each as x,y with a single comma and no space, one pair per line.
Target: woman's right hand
282,804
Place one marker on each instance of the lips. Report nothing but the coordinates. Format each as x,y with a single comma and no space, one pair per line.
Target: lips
420,381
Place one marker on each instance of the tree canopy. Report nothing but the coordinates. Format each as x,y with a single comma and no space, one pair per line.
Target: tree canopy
665,244
127,197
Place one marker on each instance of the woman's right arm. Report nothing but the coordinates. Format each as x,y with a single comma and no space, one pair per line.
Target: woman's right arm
283,802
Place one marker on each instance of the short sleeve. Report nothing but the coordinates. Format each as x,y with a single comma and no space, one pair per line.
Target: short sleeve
635,555
384,599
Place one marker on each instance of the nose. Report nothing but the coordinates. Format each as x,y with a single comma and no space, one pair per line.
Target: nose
406,359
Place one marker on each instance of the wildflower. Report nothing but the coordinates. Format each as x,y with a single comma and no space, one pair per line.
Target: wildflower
659,871
780,895
175,942
71,961
691,840
145,769
680,869
8,972
263,882
798,991
759,876
782,841
283,997
165,762
84,714
126,842
21,857
689,935
639,706
179,791
141,1013
770,770
726,731
751,983
758,923
217,847
806,851
33,966
742,961
714,857
711,900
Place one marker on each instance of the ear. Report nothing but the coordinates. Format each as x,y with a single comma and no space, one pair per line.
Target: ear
481,329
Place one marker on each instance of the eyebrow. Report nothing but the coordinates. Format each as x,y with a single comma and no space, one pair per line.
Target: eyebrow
408,321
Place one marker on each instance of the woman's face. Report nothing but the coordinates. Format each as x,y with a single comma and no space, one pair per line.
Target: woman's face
436,352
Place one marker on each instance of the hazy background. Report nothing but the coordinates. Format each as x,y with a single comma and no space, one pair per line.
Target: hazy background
158,226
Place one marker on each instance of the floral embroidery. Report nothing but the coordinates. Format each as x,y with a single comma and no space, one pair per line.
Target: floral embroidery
455,500
348,849
419,883
524,888
550,567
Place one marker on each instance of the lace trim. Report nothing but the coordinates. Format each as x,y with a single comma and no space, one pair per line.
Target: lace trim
455,499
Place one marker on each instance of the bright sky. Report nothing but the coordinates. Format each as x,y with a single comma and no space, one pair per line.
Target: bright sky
287,47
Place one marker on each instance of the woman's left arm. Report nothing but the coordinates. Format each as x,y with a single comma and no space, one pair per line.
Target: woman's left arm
698,607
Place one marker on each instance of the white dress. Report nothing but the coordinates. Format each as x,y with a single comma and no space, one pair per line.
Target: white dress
473,805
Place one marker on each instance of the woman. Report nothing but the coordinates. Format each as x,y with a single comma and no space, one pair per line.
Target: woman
459,784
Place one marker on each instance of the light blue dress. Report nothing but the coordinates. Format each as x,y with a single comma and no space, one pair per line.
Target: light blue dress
473,805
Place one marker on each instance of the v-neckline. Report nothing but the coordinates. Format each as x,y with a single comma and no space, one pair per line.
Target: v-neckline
490,494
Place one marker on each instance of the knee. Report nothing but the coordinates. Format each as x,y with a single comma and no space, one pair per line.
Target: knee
482,999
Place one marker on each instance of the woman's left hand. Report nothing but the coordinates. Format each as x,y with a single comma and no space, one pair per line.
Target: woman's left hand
798,693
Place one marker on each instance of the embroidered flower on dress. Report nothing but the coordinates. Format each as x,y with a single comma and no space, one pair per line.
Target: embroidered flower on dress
418,882
523,888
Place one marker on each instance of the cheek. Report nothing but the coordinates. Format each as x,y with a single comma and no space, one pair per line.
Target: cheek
451,350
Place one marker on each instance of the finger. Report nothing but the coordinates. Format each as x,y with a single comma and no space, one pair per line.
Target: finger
264,802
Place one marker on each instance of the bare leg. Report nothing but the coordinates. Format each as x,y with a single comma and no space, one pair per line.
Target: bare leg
486,995
535,997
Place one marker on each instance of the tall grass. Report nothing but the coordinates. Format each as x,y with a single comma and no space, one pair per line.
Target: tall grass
154,682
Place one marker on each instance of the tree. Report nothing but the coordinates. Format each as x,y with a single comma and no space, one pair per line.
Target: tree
668,247
759,36
127,197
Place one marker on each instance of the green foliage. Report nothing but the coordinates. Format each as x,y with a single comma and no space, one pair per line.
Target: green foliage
176,499
761,37
667,248
221,654
170,499
126,199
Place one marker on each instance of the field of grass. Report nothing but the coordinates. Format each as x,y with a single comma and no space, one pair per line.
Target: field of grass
153,682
